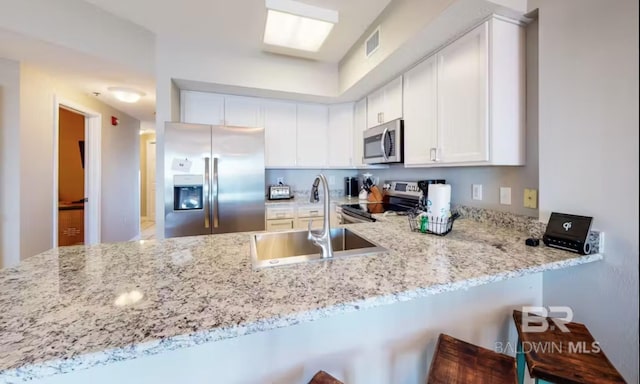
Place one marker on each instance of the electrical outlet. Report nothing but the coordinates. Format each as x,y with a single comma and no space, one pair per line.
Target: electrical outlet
280,180
505,195
476,191
530,198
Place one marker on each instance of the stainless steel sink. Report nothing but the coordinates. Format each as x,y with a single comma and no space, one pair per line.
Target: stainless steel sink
281,248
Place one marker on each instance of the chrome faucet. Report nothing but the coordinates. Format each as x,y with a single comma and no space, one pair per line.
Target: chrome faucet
323,238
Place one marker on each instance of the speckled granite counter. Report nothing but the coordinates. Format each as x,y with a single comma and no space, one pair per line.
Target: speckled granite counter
74,308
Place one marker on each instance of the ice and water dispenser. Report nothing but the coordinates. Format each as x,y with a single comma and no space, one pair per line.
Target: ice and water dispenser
187,192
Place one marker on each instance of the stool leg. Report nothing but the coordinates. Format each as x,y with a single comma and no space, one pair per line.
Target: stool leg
520,363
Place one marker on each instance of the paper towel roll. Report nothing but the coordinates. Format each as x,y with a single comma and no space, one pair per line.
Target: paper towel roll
439,207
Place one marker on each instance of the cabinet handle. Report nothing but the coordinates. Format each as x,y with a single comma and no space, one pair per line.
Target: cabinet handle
313,212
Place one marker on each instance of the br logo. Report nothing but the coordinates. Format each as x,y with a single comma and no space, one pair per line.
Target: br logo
534,319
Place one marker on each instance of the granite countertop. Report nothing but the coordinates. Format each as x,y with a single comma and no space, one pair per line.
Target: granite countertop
76,307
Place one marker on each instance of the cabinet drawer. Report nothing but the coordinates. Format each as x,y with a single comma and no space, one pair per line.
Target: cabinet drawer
280,213
279,225
310,211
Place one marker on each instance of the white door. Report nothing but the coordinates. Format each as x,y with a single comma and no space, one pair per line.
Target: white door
420,113
313,122
151,180
359,125
392,100
280,134
201,108
375,108
463,127
242,111
340,135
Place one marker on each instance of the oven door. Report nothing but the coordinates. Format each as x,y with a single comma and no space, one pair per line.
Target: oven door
383,144
348,219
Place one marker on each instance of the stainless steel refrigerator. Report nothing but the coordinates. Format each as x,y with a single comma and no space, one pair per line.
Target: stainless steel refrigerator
214,179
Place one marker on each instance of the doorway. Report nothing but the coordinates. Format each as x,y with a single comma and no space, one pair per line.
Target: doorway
71,179
147,185
76,174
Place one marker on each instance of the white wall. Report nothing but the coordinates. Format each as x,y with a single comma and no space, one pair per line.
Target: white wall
9,172
82,27
120,163
589,160
190,61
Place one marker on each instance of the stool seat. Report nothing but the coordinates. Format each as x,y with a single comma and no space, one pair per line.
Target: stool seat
323,377
572,357
456,361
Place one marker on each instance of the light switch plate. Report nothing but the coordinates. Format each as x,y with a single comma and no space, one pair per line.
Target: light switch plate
505,195
530,198
476,191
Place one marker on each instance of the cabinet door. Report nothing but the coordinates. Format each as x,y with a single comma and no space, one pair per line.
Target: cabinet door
341,135
201,108
242,111
313,122
420,113
392,100
375,107
463,127
316,223
359,125
280,134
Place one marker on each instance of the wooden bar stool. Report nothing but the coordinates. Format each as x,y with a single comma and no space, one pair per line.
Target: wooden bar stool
554,356
456,361
323,377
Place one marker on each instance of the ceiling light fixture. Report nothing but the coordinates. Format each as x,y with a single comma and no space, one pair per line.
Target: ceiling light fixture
126,95
297,25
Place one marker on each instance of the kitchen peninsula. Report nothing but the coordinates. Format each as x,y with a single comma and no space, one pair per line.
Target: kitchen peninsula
193,308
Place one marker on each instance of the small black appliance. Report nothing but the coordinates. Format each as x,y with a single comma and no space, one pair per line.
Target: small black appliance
351,186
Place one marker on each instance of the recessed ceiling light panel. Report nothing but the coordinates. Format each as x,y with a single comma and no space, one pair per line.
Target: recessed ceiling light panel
296,25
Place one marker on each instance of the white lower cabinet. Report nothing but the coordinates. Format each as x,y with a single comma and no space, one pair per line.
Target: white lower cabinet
465,104
316,223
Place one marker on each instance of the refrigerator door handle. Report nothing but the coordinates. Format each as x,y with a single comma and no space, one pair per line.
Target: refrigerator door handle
216,217
207,213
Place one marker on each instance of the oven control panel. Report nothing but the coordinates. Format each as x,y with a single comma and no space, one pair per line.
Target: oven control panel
404,188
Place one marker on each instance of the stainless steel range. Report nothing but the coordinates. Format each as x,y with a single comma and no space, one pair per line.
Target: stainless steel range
399,198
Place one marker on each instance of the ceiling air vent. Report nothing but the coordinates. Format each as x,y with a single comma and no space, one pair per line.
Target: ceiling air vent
372,43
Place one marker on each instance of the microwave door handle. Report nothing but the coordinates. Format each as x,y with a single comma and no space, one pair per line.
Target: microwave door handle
207,190
216,209
382,146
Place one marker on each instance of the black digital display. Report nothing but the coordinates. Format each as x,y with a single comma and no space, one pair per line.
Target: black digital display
568,226
401,187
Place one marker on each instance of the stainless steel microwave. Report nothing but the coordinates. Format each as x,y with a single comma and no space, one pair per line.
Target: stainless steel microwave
384,143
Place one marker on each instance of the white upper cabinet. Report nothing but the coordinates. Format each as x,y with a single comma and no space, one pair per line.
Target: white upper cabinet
280,132
313,124
463,79
201,108
385,104
465,104
421,112
242,111
217,109
340,135
359,125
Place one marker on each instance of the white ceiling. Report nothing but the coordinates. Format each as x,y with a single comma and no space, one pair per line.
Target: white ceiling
82,72
238,25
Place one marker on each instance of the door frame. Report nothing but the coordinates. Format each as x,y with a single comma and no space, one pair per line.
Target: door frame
150,144
92,170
